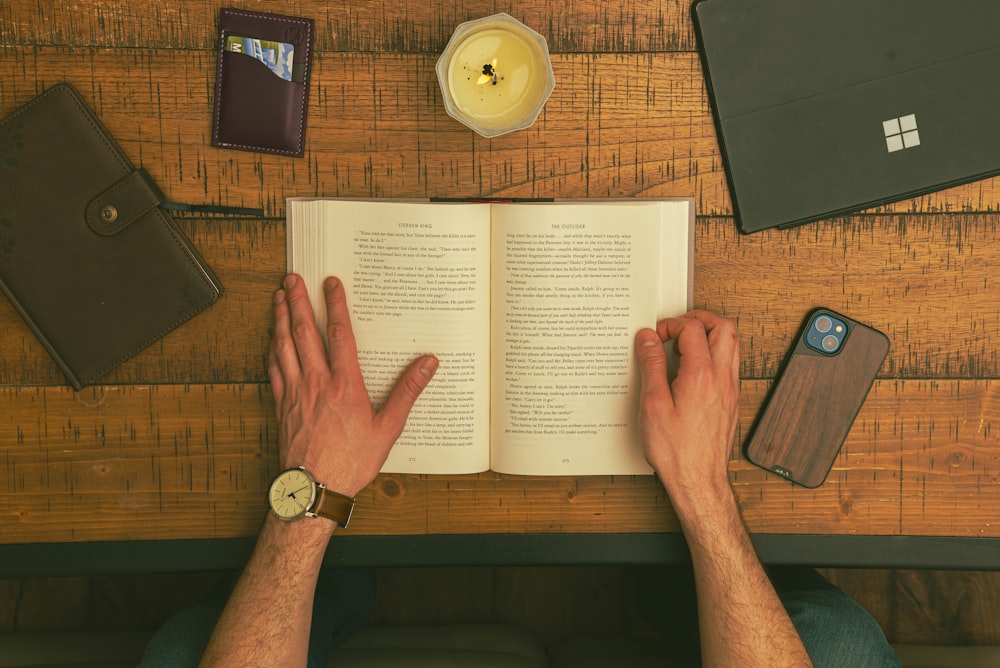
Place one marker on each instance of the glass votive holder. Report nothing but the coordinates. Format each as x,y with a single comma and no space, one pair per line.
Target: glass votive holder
495,75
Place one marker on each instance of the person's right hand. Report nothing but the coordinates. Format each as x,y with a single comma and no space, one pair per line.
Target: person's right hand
687,426
326,421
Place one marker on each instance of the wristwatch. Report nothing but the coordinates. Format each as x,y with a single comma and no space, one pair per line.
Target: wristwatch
295,494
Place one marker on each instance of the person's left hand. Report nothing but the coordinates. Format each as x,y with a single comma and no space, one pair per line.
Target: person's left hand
325,418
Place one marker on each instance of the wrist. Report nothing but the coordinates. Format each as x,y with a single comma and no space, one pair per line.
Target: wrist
342,477
306,533
702,508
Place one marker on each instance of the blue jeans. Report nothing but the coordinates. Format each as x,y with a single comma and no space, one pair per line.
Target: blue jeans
836,631
834,628
344,601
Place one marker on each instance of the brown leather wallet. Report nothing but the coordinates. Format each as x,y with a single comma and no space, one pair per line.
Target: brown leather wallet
96,269
255,109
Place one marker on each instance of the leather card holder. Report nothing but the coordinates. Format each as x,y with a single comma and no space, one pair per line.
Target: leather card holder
255,109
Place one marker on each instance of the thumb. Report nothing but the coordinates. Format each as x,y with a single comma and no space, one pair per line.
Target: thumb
404,394
652,362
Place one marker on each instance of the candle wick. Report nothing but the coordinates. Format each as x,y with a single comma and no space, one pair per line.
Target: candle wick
490,70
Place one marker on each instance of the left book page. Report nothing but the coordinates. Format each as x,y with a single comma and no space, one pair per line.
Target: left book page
418,282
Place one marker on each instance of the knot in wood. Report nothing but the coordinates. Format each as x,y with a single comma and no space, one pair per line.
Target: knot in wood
391,488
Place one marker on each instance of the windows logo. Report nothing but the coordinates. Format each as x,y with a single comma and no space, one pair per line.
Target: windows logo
901,133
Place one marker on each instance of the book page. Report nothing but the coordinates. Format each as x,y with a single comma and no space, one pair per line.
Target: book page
572,284
417,280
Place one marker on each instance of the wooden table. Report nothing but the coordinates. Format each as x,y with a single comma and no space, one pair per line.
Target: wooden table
179,443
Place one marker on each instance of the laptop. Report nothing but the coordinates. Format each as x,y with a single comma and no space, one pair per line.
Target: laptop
823,107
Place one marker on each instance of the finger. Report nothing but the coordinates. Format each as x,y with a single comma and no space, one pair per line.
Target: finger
690,338
274,374
652,364
343,348
404,394
723,341
707,318
308,344
283,360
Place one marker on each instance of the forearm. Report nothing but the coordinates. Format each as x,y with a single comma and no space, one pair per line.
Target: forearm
742,621
267,618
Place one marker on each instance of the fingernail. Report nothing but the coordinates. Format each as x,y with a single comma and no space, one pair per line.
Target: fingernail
429,366
291,281
647,338
279,297
331,284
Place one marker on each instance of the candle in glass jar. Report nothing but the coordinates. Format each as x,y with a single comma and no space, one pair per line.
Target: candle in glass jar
495,75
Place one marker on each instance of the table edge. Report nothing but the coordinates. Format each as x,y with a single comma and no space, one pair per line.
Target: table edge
631,549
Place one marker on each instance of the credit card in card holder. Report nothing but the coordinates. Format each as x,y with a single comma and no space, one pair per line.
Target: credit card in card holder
276,55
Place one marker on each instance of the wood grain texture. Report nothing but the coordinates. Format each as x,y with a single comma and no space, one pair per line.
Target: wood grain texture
911,442
917,607
922,280
927,607
370,26
922,458
627,125
179,442
102,603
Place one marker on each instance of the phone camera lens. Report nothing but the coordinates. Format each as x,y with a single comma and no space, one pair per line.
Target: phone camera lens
826,333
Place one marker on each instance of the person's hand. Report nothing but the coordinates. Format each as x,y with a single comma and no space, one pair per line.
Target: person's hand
687,426
325,418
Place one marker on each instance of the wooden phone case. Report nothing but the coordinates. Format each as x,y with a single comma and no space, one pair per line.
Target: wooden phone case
812,405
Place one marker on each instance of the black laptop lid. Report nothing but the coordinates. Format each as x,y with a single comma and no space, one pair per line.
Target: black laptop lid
827,107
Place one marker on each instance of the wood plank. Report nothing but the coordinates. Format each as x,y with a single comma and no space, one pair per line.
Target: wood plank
617,126
106,602
918,607
370,26
373,133
433,596
932,439
558,604
10,594
926,282
927,607
97,465
35,612
944,607
951,462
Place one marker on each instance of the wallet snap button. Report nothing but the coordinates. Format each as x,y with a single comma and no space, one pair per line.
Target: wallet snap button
109,214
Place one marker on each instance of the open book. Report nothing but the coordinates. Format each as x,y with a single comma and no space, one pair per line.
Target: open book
531,308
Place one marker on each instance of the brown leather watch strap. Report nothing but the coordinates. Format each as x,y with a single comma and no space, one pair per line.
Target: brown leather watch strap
333,506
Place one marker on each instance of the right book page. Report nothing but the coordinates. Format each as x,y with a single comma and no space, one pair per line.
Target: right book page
572,283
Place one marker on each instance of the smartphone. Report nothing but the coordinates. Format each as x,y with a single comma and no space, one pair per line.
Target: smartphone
822,384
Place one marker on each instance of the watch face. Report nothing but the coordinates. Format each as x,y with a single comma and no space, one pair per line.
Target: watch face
292,493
